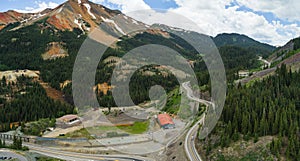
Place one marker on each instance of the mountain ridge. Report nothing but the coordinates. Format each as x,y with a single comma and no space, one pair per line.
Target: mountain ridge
69,15
244,41
86,15
76,20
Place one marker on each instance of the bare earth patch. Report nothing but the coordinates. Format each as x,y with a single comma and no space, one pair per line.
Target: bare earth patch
54,50
242,149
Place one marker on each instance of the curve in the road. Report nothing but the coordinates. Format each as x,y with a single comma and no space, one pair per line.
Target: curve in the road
189,145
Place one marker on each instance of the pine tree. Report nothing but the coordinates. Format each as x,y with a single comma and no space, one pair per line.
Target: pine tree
235,136
245,124
255,138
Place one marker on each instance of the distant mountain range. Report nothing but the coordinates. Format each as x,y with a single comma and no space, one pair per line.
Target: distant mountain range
85,15
51,39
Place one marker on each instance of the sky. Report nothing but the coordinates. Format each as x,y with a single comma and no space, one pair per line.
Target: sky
270,21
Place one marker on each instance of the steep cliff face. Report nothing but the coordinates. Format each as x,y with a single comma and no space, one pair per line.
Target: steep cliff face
80,14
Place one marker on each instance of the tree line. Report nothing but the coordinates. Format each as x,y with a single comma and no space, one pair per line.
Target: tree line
27,101
17,144
270,107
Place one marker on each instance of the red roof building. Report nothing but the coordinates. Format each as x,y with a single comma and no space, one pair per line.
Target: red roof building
165,121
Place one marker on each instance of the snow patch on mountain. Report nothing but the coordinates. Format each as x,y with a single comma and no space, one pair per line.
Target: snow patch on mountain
134,21
78,23
60,9
88,7
113,22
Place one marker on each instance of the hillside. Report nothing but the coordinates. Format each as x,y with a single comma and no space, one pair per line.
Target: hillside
288,54
49,44
51,40
262,124
239,52
282,52
10,17
243,41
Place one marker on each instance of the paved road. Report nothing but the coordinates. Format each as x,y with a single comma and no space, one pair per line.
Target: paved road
65,155
82,156
264,61
189,145
8,155
190,95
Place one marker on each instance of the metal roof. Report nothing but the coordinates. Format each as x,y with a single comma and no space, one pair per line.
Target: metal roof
68,117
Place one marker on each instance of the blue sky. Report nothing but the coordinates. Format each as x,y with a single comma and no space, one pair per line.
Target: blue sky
22,4
161,4
273,21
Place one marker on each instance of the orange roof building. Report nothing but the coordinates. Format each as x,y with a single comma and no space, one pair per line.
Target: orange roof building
165,121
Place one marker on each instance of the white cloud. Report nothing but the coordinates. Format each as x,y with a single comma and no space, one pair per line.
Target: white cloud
125,6
213,18
40,7
284,9
98,1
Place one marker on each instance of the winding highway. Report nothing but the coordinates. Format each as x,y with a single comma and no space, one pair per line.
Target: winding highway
189,145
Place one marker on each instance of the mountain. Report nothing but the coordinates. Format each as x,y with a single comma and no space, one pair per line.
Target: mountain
72,15
243,41
237,51
51,39
12,17
53,33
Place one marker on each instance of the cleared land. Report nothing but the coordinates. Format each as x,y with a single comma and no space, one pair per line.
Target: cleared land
136,128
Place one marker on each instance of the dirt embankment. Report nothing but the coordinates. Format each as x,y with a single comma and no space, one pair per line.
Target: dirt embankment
55,50
52,92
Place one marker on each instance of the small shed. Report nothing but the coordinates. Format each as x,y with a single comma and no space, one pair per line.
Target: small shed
243,73
68,121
